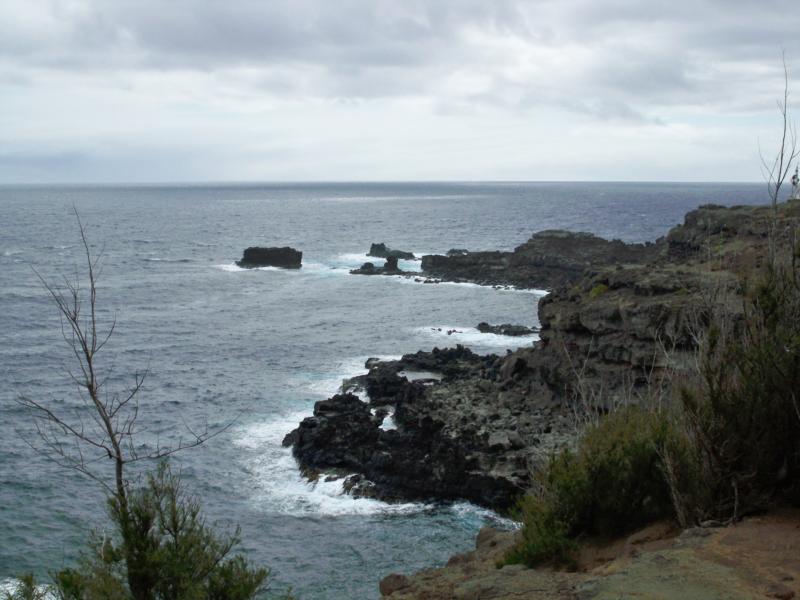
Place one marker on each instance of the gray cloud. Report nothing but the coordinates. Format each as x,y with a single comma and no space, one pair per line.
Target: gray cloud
170,74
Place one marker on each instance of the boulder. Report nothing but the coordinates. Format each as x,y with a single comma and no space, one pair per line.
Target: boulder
505,329
383,251
285,257
389,268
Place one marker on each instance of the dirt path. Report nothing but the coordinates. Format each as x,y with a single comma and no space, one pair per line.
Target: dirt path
757,558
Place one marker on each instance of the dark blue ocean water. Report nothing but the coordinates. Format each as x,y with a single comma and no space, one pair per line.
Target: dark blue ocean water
262,346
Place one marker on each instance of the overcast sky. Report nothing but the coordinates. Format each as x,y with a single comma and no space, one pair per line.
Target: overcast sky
266,90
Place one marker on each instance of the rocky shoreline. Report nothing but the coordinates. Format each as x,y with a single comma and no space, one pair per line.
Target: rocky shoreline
618,319
617,327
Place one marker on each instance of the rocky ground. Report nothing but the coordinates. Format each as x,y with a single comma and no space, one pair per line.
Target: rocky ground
757,558
616,329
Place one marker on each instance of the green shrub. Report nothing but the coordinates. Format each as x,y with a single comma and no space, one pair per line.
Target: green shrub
741,412
545,536
613,483
598,290
162,549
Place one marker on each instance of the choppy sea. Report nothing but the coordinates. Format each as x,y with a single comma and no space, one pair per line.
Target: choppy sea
259,347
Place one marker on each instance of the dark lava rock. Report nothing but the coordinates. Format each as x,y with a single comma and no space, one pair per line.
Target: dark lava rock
505,329
418,460
389,268
286,257
457,252
548,259
456,438
382,251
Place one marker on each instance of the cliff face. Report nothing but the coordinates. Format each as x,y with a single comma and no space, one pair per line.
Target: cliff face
612,330
613,333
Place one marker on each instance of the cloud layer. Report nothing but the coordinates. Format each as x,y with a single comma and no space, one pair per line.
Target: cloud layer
378,89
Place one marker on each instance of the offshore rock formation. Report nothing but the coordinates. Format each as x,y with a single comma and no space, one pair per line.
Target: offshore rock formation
285,257
547,260
505,329
382,251
389,268
614,331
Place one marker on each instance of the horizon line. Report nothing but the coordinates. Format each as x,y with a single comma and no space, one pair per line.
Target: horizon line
243,182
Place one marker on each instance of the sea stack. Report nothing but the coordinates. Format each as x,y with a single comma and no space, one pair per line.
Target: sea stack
285,257
383,251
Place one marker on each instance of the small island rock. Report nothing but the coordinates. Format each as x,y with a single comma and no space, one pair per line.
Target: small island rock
286,258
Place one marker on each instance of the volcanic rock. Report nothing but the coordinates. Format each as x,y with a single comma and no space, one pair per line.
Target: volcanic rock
389,268
505,329
548,259
285,257
382,251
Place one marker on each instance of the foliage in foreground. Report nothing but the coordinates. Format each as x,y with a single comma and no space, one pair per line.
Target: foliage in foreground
742,414
611,483
162,550
729,447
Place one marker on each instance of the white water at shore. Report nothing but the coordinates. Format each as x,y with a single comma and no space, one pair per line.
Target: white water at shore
280,486
474,339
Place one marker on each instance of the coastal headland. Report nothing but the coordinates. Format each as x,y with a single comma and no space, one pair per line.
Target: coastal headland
617,318
617,327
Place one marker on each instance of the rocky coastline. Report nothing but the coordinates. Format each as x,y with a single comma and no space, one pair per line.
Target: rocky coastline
450,424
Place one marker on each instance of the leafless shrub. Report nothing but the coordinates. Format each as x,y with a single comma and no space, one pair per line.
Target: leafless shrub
105,427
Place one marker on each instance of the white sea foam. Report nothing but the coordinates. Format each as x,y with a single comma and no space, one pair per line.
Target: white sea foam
470,336
466,509
318,268
388,423
330,382
413,375
10,586
356,259
279,486
167,260
234,268
420,280
12,252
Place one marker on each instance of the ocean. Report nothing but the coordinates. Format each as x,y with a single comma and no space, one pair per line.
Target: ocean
258,347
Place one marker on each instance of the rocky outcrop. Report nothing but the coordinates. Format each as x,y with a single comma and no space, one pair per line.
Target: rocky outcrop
389,268
547,260
468,433
383,251
505,329
618,333
285,257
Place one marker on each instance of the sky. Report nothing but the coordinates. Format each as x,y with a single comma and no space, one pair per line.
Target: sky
391,90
